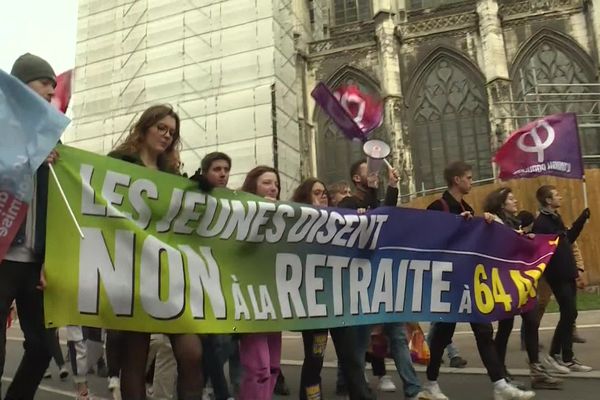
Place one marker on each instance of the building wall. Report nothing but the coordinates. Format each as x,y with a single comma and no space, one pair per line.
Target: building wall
486,42
227,67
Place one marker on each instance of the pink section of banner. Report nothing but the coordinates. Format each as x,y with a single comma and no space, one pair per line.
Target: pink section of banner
12,214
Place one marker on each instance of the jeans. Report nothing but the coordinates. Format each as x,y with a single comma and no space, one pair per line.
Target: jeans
350,363
565,294
260,355
451,348
484,335
398,343
216,348
18,282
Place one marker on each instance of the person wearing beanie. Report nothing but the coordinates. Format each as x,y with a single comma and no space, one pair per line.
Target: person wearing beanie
21,275
36,73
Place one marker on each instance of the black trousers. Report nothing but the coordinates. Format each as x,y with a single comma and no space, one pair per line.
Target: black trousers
484,335
18,282
345,341
565,294
529,334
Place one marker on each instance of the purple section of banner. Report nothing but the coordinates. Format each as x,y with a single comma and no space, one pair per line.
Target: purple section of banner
332,107
548,146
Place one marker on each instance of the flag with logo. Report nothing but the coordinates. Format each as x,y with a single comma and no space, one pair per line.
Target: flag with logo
547,146
31,128
354,112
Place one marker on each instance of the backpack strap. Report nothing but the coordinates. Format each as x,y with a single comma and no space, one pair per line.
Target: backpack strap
445,206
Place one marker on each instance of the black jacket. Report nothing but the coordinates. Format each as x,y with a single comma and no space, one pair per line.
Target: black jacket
369,200
562,265
449,204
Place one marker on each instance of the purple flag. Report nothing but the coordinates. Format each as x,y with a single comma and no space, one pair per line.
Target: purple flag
341,116
547,146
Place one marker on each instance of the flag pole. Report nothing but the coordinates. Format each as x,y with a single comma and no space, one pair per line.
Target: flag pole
585,195
62,193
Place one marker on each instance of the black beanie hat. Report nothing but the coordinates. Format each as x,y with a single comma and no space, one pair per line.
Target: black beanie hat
29,67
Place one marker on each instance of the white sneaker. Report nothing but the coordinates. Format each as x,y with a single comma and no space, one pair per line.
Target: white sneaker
386,384
576,366
114,385
432,391
509,392
63,373
552,364
420,396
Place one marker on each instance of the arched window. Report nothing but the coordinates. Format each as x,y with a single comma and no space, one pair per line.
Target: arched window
335,153
347,11
549,76
448,119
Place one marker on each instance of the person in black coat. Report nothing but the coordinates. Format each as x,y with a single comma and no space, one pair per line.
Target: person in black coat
561,274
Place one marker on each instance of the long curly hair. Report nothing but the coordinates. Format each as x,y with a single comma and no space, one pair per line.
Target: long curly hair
167,161
251,181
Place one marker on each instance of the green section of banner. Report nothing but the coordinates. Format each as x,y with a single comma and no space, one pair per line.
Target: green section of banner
145,242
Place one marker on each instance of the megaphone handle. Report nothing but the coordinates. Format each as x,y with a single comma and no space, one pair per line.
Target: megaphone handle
388,164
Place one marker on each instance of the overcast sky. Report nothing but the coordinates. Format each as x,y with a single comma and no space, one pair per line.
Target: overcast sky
46,28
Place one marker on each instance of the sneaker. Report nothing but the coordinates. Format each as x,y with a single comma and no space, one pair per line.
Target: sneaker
509,392
541,379
47,374
432,391
114,383
576,366
386,384
63,373
511,381
552,364
458,362
420,396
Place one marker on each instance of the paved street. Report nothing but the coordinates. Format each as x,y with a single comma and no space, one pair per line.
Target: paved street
466,384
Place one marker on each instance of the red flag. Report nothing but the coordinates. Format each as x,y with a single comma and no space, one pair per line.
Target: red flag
547,146
62,92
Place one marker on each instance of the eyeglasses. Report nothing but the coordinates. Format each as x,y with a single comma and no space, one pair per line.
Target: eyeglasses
164,129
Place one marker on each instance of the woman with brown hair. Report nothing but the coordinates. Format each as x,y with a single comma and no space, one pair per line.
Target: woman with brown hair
260,353
503,206
154,143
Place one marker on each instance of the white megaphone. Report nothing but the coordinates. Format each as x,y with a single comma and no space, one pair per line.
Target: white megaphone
376,152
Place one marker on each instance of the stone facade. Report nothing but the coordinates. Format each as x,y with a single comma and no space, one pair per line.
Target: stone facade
458,76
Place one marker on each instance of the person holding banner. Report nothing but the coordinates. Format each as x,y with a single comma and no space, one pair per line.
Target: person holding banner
153,142
502,204
459,178
21,276
313,191
214,172
561,274
260,353
366,181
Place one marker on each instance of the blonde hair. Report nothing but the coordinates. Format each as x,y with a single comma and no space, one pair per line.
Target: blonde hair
167,161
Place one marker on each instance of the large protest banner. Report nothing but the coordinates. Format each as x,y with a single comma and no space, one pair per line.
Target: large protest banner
160,256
